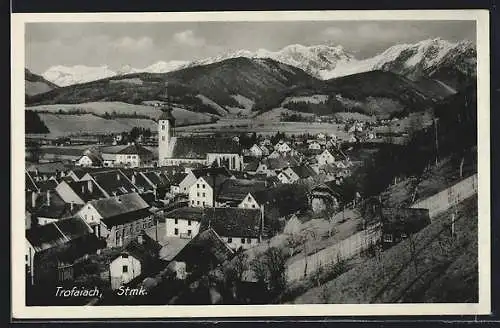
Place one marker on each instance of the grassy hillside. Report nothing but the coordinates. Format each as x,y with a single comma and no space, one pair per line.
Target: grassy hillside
202,89
35,84
445,268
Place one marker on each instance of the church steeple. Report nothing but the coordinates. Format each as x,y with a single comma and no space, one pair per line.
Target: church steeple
166,124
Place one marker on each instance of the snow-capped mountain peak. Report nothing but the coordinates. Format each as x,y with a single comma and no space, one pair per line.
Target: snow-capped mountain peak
323,61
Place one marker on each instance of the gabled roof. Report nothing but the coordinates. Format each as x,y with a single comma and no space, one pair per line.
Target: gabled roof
177,178
186,213
220,170
409,220
95,158
56,209
81,188
280,162
198,148
303,171
113,181
135,149
204,249
167,115
119,205
159,180
30,184
146,252
57,233
48,168
45,185
237,189
232,221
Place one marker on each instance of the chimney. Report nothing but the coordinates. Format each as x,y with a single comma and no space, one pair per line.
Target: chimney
71,207
33,199
118,176
48,197
133,178
90,186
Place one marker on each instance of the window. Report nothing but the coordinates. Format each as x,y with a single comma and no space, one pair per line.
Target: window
189,232
197,202
229,240
189,222
125,269
253,205
176,221
203,203
26,257
125,255
163,127
203,186
192,202
197,185
176,231
197,194
203,194
242,240
249,240
388,238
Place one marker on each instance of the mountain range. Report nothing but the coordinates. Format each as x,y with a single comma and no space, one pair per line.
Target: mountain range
36,84
451,61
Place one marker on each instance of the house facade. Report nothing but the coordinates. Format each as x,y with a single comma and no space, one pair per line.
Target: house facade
325,158
183,222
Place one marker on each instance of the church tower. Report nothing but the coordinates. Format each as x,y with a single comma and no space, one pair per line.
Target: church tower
166,124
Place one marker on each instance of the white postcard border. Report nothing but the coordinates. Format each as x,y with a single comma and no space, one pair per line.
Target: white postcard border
21,311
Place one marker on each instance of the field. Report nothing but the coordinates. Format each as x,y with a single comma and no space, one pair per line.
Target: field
90,117
264,127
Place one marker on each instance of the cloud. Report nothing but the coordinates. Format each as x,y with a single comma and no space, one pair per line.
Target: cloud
131,44
188,37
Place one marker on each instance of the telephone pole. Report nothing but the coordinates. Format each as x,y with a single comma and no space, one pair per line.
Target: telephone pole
436,139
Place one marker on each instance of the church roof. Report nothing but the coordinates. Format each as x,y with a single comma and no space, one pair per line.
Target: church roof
136,149
198,148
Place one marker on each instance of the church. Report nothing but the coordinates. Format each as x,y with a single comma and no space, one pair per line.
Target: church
174,150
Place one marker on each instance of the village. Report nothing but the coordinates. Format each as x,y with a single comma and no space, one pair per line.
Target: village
193,210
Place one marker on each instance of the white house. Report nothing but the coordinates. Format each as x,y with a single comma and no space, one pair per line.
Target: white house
284,178
134,155
123,269
249,202
283,148
89,160
138,258
256,151
315,145
201,193
325,158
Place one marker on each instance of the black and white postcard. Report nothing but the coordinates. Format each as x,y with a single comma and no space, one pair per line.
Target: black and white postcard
237,164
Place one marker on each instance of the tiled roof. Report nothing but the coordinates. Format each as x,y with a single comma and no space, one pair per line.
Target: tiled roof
304,171
222,170
29,182
409,220
136,149
57,208
159,180
113,181
146,252
205,249
198,148
232,221
177,178
48,168
57,233
280,162
119,205
187,213
167,115
46,185
237,189
81,188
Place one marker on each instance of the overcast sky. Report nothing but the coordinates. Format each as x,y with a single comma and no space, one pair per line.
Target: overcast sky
142,44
